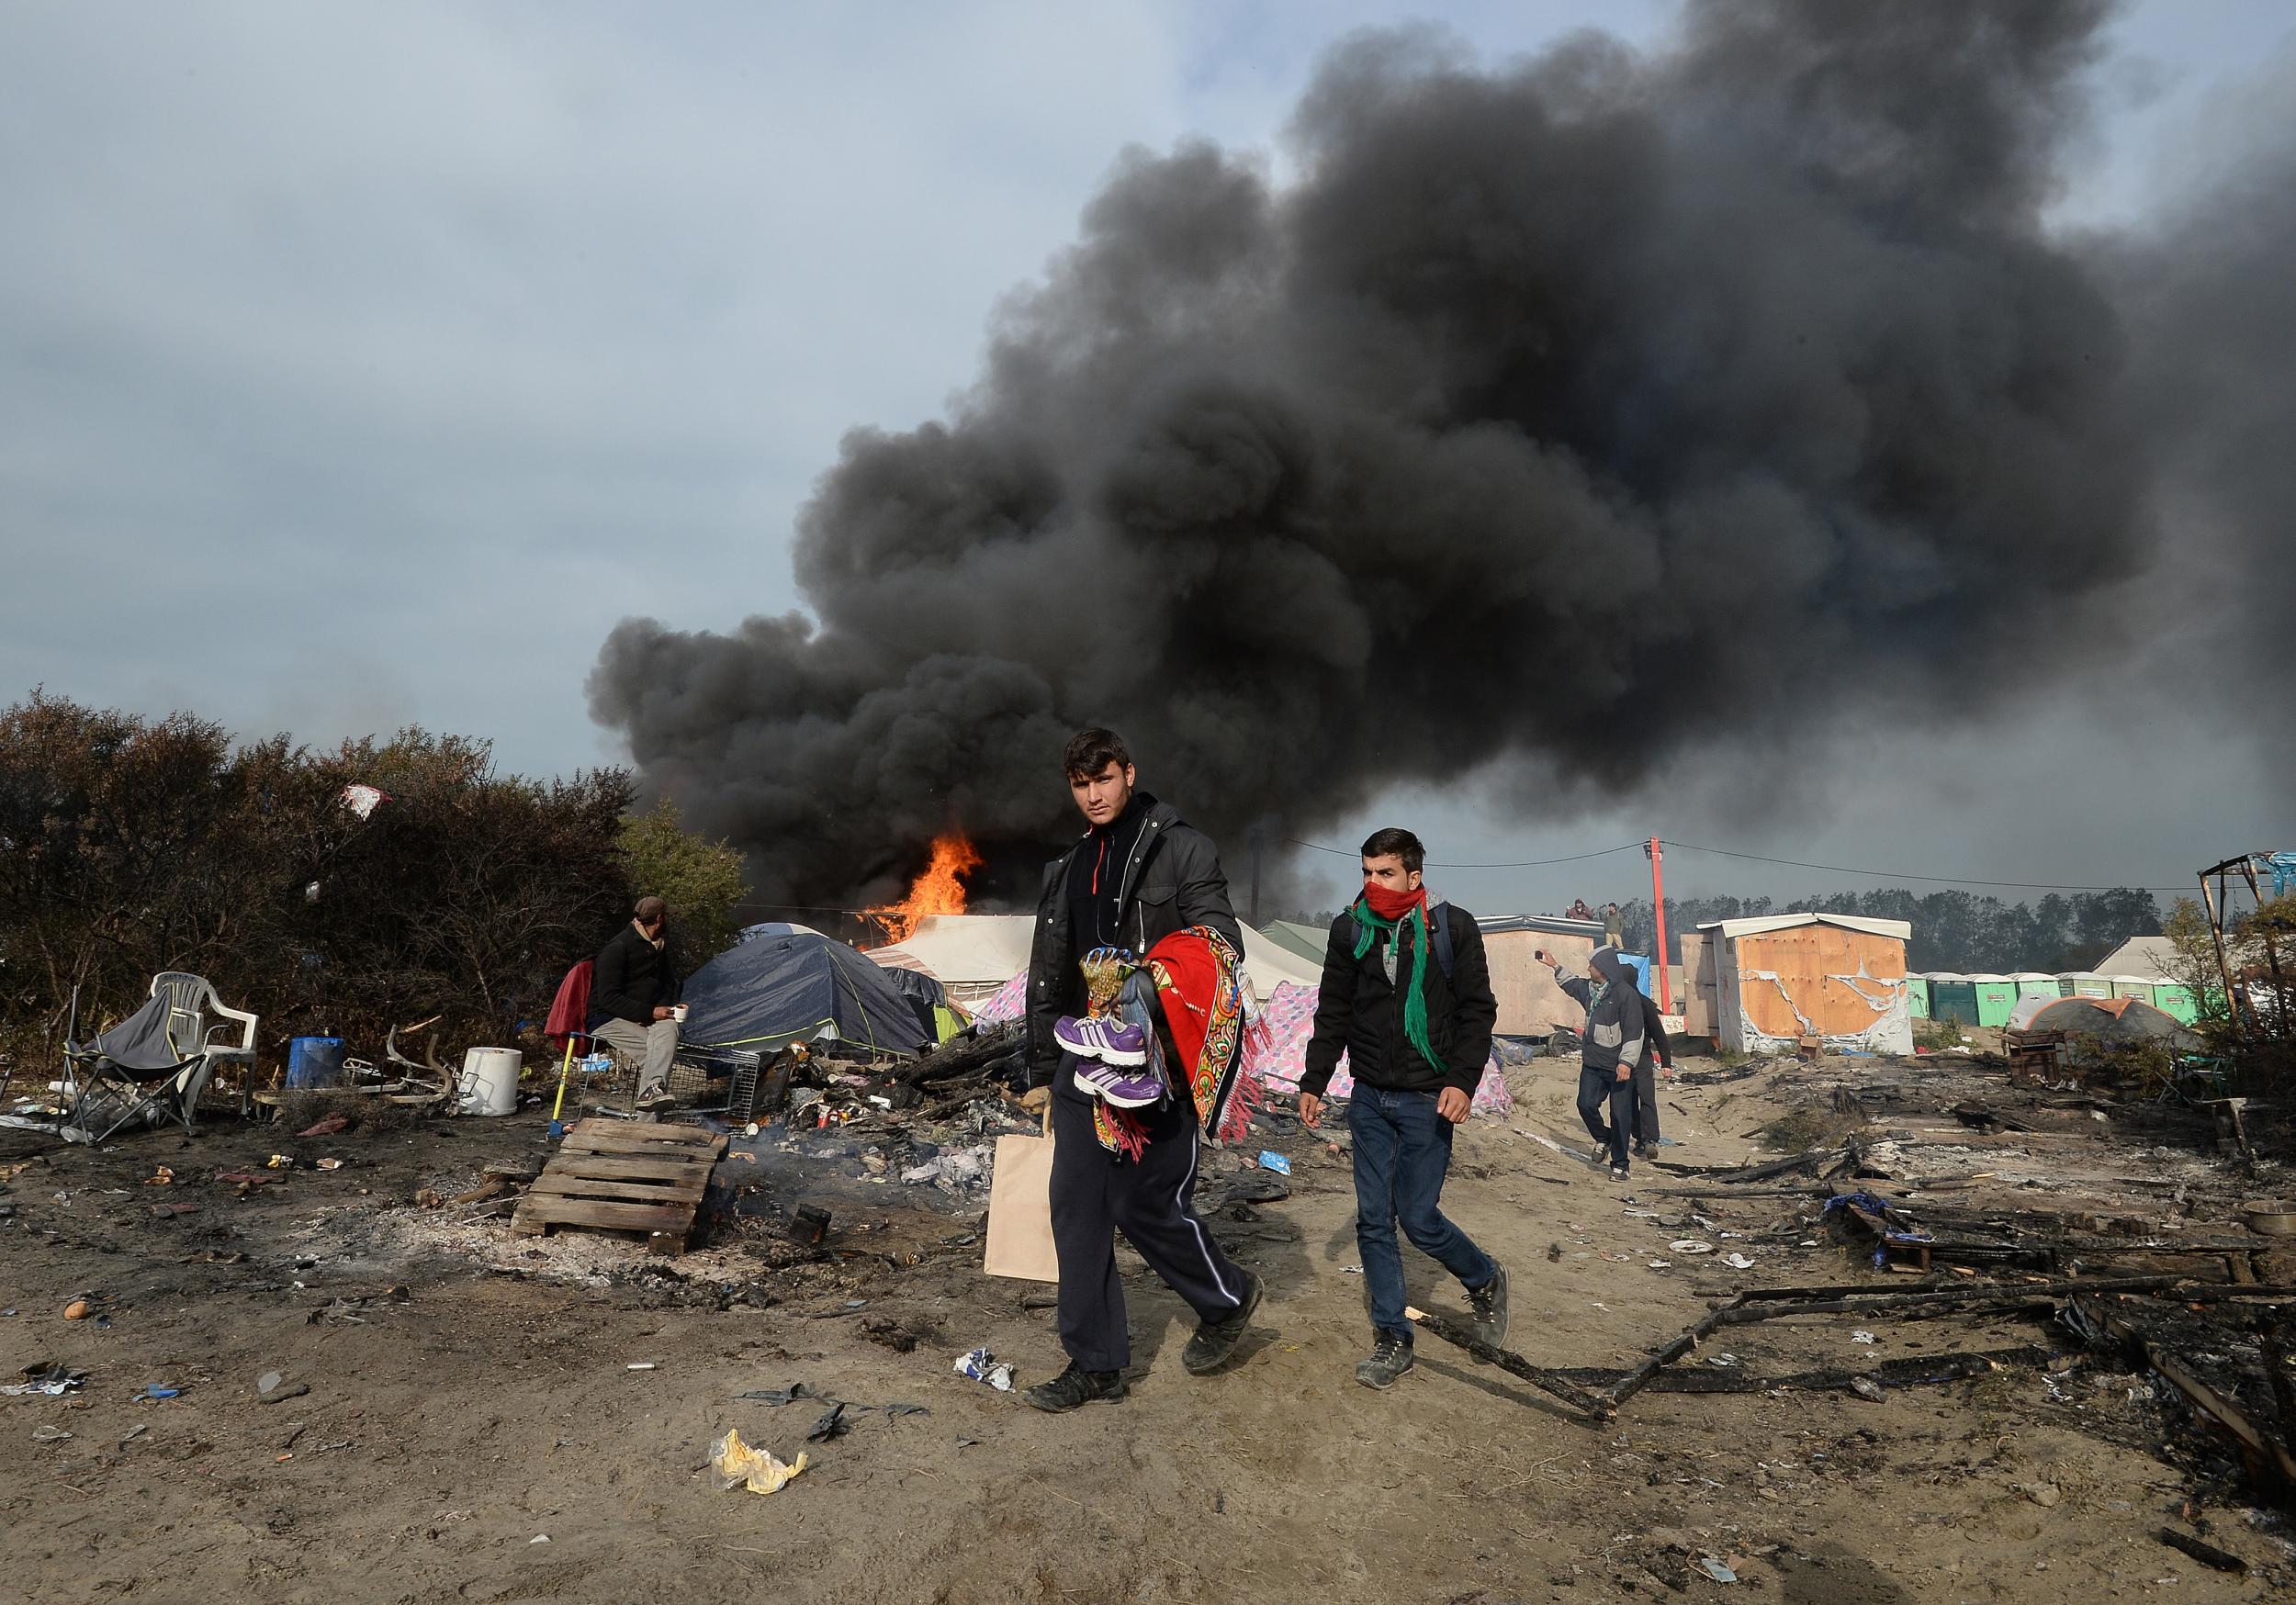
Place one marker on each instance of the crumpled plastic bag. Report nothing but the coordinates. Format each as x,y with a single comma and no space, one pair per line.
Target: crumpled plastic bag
739,1465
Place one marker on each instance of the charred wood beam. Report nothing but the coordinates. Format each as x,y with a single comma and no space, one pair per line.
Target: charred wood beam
1593,1405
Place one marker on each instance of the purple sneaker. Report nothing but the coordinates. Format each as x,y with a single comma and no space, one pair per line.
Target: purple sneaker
1121,1089
1109,1041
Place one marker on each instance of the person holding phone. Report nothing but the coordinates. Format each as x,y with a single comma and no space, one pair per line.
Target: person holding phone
1612,1046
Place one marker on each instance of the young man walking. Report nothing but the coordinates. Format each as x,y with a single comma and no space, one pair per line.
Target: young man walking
1609,1051
1134,1020
1407,995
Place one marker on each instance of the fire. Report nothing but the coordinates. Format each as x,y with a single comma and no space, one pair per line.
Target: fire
939,889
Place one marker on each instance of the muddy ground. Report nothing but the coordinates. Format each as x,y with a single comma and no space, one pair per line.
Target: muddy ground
469,1392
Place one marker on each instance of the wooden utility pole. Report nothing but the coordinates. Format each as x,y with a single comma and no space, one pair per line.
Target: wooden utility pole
1658,901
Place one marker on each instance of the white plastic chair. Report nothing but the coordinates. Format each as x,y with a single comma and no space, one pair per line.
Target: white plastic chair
200,1022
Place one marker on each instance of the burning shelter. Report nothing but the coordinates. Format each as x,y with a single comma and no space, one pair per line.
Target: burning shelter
1762,985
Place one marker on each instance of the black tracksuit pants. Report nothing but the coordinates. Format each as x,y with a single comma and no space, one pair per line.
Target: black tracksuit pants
1646,1084
1152,1200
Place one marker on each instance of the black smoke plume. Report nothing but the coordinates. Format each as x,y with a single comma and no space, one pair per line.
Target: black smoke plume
1578,414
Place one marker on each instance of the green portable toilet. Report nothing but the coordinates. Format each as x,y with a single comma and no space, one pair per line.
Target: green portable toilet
1952,997
1997,999
2033,983
2134,986
2174,999
1918,996
2084,984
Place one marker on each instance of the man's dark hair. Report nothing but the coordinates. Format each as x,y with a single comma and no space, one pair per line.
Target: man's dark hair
1395,842
1090,752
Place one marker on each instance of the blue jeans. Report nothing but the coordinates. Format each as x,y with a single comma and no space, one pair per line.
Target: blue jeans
1403,1149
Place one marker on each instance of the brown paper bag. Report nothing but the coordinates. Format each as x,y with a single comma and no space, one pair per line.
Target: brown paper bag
1020,1208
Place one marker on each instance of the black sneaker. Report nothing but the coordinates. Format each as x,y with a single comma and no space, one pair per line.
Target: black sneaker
1215,1341
1618,1173
1391,1357
1490,1304
1075,1386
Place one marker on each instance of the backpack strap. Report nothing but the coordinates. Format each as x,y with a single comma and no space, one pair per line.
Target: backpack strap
1439,929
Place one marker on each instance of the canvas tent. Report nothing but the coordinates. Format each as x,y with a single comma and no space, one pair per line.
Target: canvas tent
2094,1027
784,984
1772,980
1305,940
975,955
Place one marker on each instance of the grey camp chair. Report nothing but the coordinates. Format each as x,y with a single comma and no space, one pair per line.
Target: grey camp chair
129,1074
198,1021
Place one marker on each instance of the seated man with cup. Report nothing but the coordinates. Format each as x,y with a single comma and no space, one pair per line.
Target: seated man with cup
633,998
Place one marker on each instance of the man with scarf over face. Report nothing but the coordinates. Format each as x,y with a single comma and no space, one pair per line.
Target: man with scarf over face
1406,994
1139,881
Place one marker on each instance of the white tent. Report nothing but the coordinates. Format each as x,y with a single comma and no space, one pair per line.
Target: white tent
973,954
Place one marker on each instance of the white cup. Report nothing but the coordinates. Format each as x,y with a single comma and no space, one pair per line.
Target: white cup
677,1013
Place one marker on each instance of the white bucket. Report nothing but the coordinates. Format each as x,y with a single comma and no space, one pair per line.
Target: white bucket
490,1080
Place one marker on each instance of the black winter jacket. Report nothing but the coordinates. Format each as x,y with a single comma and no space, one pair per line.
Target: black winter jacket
1615,1031
631,978
1171,881
1360,1010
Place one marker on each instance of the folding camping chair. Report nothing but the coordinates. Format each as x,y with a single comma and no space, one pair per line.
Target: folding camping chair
130,1072
199,1020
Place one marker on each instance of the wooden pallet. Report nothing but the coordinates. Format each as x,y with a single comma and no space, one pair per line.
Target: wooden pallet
612,1175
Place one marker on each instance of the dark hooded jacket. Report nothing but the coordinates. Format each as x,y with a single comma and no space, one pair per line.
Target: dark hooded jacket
1170,880
1359,1009
1614,1032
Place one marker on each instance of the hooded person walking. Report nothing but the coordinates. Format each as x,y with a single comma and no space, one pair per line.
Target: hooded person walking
1612,1046
1406,994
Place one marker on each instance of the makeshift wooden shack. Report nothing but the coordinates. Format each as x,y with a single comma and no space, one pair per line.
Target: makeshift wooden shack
1762,985
1530,1003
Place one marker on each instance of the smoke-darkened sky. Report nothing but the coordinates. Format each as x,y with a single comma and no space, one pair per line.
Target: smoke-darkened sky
366,367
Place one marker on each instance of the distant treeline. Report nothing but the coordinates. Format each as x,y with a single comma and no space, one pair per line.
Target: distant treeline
1957,931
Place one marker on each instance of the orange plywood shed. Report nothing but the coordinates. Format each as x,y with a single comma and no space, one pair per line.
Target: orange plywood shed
1530,1003
1839,977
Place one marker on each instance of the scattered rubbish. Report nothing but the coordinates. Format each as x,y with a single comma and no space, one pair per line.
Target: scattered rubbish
51,1377
428,1197
328,1127
326,1164
134,1432
48,1434
2208,1554
1861,1337
539,1538
76,1310
1661,1264
1865,1387
161,1176
809,1224
294,1391
1724,1360
1738,1261
832,1424
268,1381
739,1465
1351,1270
2044,1494
640,1365
1714,1568
1272,1160
779,1396
983,1366
279,1161
881,1100
1691,1245
154,1391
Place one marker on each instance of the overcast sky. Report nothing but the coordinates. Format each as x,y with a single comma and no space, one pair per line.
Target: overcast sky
362,366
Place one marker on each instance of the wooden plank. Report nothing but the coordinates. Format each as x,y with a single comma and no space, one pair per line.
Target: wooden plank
589,1138
627,1168
634,1192
676,1218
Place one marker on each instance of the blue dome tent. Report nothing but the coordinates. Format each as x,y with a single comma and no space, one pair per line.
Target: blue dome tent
786,983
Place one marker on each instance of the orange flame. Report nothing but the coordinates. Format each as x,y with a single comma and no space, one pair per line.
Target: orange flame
939,889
